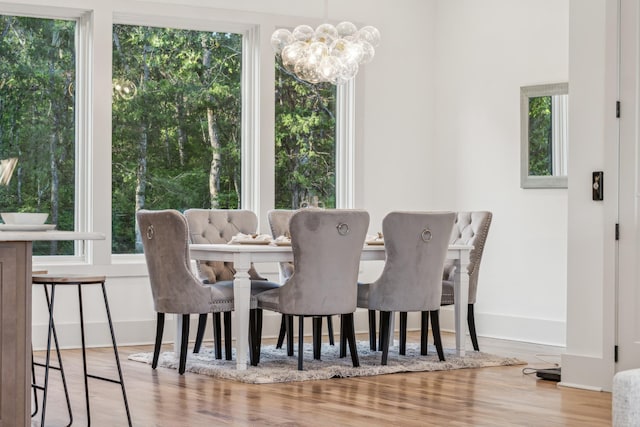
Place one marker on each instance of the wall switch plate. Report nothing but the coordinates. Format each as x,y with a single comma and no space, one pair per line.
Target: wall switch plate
597,186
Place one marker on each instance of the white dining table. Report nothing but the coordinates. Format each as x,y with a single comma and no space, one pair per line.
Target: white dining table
244,255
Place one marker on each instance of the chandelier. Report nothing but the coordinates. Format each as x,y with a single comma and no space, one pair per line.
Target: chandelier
326,54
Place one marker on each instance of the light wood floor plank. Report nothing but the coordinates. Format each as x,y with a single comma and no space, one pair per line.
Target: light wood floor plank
500,396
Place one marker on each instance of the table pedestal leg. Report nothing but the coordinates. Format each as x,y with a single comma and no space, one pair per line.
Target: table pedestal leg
242,300
461,294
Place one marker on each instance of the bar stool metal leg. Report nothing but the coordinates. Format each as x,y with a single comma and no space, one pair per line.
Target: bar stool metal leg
84,356
79,281
115,352
47,365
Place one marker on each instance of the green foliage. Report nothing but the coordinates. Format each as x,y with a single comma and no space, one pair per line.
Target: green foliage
37,69
161,136
540,136
175,135
305,141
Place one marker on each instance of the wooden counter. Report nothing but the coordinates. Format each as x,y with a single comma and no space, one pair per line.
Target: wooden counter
15,319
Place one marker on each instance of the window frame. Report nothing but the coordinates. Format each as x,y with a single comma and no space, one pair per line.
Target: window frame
94,28
83,250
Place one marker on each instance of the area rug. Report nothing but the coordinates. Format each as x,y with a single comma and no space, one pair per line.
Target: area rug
276,367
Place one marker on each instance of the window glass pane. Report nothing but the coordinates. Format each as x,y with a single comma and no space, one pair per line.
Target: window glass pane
176,123
540,136
305,142
37,114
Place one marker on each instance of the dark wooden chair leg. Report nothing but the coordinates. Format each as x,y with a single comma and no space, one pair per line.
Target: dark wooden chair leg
424,331
217,335
330,330
158,344
403,333
372,330
289,335
227,335
385,325
255,335
283,331
472,327
317,336
258,345
202,325
300,341
343,338
435,329
183,343
351,337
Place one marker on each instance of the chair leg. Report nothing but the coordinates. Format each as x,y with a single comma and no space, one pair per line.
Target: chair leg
202,325
343,338
300,341
158,344
372,330
115,353
227,335
472,327
385,325
283,331
403,333
380,340
435,329
289,335
350,332
255,335
252,337
424,330
217,335
330,330
183,344
258,343
317,336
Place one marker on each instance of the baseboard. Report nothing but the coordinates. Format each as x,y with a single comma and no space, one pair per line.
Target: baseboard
512,328
136,332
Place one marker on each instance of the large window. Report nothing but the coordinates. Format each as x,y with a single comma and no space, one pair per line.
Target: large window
305,143
37,120
176,123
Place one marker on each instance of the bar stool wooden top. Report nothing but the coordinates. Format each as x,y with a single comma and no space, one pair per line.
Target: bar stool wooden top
67,279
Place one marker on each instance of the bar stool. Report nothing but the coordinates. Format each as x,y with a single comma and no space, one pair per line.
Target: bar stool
34,385
53,281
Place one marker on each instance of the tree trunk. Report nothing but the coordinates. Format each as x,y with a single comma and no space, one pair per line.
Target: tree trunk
214,169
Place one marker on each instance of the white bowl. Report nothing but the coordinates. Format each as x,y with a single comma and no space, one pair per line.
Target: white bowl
24,218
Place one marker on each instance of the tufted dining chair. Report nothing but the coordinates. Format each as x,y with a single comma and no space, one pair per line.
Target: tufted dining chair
219,226
326,247
279,224
416,246
174,287
470,228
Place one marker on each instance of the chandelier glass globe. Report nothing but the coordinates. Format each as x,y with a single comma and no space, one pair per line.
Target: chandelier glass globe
327,53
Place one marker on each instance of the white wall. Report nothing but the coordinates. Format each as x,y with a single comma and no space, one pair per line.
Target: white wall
486,50
439,109
592,125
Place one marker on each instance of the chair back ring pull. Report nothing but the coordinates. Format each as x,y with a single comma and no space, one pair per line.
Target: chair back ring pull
151,231
426,235
343,229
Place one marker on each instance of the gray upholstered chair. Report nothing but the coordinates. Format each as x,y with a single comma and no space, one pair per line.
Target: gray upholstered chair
219,226
326,248
471,228
279,224
174,287
416,246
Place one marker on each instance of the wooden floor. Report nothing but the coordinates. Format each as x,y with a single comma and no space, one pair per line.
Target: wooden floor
501,396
